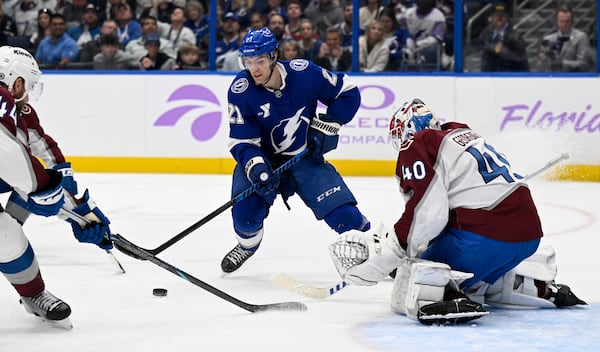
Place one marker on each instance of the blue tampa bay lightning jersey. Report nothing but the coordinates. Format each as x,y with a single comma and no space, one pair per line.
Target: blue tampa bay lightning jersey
275,122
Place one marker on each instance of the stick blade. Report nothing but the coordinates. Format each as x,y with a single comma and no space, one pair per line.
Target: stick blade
113,259
286,282
282,306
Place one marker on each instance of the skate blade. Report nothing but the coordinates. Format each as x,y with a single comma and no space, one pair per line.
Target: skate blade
61,324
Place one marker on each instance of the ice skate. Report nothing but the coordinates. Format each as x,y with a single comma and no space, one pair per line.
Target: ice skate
49,308
235,258
561,295
456,311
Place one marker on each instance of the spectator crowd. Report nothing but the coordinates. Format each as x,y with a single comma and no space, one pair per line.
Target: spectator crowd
394,35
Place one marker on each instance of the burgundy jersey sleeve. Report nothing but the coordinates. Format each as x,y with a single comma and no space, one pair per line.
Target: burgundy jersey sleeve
19,168
42,145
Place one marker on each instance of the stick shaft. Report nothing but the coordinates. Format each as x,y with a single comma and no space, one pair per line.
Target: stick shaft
223,207
140,252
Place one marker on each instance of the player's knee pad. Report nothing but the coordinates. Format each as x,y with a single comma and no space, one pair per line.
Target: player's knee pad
347,217
13,242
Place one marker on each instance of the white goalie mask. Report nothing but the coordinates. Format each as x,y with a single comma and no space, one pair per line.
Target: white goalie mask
17,62
412,117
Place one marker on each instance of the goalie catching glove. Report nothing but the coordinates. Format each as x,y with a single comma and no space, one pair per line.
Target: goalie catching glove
97,230
365,259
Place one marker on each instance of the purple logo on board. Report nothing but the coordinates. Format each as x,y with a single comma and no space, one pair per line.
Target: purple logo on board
584,120
205,124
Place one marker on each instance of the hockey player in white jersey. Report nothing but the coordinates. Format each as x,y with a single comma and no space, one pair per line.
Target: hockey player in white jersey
272,115
469,234
33,188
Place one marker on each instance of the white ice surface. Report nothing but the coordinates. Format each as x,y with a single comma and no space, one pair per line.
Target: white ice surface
117,312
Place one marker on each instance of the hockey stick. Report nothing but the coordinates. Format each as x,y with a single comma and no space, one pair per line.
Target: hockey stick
82,221
304,289
144,255
207,218
140,252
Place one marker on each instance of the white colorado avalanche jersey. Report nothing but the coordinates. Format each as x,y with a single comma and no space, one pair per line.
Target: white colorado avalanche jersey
453,178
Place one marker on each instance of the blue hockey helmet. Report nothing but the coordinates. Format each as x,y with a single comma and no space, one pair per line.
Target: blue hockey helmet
412,117
259,42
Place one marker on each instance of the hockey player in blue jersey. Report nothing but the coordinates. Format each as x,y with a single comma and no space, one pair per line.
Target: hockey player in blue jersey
272,115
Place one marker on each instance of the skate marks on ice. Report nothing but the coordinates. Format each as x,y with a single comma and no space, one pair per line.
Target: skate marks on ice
567,329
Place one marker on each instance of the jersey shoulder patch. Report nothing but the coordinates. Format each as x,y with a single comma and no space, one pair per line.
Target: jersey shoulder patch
299,64
240,85
26,109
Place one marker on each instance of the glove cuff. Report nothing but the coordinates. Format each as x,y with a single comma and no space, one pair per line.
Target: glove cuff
64,168
328,128
252,163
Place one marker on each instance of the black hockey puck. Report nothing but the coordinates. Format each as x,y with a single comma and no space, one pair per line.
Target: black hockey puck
159,292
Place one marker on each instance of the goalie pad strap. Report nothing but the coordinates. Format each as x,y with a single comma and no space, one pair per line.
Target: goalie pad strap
328,128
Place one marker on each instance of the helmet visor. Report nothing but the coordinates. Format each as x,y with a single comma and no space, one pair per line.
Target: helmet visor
36,91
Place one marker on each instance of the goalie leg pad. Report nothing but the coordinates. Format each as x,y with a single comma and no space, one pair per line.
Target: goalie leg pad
418,282
366,258
519,288
514,292
419,290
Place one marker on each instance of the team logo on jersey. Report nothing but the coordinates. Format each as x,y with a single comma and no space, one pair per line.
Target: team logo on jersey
289,136
298,64
194,101
239,86
26,109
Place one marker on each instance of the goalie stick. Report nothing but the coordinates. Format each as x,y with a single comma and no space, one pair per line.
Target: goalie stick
304,289
207,218
145,255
